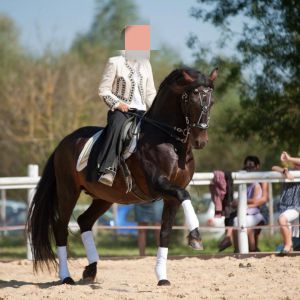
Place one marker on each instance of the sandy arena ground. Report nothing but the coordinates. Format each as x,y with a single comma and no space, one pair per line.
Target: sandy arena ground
191,278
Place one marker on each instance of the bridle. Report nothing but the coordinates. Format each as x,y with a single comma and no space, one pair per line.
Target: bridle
205,102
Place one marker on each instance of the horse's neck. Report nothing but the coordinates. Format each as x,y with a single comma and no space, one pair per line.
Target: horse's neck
167,109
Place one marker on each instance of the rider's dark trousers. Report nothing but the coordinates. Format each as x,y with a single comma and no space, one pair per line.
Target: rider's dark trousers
108,155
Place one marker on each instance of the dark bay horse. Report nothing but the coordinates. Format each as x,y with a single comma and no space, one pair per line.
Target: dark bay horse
162,167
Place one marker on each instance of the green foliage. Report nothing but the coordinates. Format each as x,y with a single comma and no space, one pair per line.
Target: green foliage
270,52
45,98
225,151
110,244
105,33
9,44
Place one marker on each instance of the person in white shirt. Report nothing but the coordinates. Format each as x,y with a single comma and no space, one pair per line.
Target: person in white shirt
127,85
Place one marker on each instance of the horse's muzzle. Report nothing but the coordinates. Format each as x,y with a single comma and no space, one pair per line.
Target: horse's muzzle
200,144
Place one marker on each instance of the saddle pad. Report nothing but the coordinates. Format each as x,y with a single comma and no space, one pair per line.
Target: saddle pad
85,152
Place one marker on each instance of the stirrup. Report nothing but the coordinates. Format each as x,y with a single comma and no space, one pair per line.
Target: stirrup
107,179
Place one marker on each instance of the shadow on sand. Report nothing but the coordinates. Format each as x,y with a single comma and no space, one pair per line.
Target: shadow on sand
45,285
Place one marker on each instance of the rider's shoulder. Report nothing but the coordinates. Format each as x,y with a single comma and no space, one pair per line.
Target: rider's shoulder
115,59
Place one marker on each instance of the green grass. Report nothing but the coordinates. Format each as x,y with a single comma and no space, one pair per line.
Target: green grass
110,244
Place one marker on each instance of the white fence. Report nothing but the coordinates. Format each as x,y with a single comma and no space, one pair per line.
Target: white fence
241,178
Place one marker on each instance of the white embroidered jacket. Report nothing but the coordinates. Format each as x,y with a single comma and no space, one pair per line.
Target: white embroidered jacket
117,82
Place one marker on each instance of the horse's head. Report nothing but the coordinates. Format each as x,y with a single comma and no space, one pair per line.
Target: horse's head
183,104
196,102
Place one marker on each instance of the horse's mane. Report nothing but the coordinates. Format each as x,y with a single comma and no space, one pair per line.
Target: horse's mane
174,78
177,75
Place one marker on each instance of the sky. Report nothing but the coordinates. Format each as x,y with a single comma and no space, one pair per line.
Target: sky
55,23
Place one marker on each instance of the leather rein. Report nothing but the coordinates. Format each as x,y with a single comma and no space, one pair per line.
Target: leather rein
174,131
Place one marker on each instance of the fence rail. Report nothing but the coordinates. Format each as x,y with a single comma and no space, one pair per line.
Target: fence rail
240,178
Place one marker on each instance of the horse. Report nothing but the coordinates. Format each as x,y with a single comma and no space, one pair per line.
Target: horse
161,167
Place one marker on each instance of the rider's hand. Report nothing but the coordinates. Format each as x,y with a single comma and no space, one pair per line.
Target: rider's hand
123,107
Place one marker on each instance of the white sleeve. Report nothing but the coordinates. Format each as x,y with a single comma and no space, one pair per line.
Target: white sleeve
105,87
150,88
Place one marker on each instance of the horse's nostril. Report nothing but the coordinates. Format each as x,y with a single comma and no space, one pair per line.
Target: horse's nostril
201,144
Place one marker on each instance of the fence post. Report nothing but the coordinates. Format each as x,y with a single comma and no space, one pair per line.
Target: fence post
3,210
115,213
241,214
32,171
271,208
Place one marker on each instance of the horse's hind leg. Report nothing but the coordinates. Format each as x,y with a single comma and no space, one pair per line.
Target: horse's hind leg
68,192
86,222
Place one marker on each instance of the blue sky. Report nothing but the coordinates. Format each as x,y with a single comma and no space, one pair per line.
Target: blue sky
55,23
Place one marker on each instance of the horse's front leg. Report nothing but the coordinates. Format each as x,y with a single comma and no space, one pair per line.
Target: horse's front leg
170,208
183,198
168,217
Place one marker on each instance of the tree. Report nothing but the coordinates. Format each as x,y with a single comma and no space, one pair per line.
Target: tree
224,151
45,98
270,54
110,19
10,49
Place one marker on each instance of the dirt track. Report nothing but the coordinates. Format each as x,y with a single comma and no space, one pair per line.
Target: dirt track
191,278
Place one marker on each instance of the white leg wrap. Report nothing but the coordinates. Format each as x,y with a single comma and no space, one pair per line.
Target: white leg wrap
63,262
161,263
90,248
190,216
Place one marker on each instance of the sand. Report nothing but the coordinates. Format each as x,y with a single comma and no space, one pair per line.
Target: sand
191,278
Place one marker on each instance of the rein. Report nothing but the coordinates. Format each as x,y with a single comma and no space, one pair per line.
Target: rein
166,128
174,131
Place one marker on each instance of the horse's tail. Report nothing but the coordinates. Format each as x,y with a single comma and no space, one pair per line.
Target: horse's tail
41,218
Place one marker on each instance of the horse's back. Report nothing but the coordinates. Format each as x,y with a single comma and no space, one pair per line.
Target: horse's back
72,144
84,132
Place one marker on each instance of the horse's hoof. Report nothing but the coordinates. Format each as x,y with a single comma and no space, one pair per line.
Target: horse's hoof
194,240
68,280
164,282
196,244
90,272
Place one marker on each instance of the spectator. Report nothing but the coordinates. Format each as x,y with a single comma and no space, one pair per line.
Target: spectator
257,195
261,203
289,204
148,214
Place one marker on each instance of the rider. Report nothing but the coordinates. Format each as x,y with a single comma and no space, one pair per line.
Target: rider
127,84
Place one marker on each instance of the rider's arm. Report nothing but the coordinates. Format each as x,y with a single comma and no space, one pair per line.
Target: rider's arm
106,84
150,87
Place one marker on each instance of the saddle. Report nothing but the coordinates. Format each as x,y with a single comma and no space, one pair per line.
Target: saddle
126,146
129,137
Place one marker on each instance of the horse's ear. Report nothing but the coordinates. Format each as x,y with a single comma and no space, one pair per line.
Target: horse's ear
214,74
188,77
